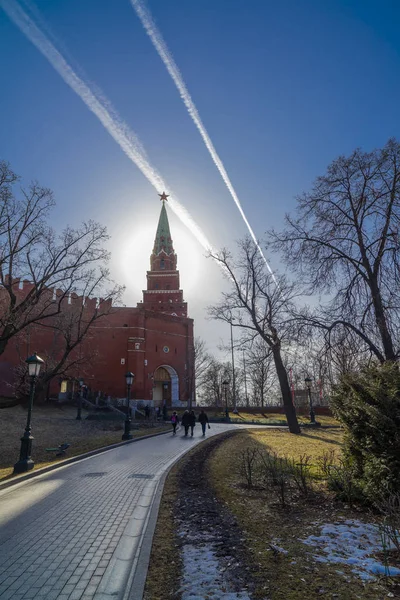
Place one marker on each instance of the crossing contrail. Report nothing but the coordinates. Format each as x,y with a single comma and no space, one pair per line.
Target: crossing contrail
158,42
98,104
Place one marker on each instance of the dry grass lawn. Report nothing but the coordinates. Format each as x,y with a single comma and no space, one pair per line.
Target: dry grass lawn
52,426
264,418
295,575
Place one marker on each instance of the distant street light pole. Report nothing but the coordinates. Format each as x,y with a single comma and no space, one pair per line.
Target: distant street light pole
25,462
308,382
235,410
79,413
127,432
245,380
225,385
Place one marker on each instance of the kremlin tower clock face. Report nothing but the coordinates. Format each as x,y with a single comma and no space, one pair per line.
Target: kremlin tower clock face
166,349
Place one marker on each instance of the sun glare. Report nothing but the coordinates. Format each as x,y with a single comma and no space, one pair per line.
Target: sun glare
131,251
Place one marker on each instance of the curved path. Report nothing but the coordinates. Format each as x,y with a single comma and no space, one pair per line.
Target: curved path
76,532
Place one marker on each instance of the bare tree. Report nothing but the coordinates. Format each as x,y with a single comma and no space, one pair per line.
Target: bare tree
211,392
345,244
50,267
261,370
260,304
202,361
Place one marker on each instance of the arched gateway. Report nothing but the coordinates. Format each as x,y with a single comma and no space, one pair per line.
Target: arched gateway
166,386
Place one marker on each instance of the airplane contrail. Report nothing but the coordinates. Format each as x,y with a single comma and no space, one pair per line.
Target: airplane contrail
102,108
162,49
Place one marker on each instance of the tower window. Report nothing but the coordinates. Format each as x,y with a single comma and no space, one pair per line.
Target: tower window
156,286
162,264
167,286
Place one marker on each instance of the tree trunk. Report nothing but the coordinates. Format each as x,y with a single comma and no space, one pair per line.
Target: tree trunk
290,410
380,319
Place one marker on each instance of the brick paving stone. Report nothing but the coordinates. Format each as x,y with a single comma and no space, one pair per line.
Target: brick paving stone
52,595
67,589
8,595
89,591
76,595
44,591
31,593
82,584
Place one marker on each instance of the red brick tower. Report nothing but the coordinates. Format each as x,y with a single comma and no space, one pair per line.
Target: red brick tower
163,293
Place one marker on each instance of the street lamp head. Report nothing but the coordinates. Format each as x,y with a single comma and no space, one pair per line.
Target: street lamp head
34,364
129,378
308,382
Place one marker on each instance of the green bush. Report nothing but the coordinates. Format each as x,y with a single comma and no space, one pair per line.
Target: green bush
368,405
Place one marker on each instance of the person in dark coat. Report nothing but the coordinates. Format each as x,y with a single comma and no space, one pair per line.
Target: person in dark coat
192,421
147,411
186,421
203,419
174,421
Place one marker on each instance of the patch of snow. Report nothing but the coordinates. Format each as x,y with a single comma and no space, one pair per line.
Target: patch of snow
203,576
351,542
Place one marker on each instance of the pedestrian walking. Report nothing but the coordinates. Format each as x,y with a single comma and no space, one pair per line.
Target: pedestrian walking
147,412
186,421
158,413
203,420
164,412
192,421
174,421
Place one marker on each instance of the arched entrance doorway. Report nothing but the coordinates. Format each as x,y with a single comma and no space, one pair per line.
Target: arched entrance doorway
165,386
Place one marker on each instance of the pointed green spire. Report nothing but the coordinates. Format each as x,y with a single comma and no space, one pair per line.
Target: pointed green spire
163,239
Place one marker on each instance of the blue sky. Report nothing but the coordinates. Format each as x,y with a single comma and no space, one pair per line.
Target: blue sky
282,87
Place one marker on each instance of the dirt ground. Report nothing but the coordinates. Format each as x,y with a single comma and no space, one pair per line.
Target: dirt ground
189,506
52,426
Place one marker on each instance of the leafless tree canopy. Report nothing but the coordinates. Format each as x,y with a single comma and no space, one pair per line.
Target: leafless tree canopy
202,361
261,372
259,304
54,267
344,242
210,390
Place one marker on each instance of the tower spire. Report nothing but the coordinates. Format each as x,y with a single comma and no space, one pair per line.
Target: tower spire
163,240
163,292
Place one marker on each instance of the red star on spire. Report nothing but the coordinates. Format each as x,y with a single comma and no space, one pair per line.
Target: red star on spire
164,196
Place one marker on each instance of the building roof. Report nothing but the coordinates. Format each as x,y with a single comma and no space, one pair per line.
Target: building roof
163,239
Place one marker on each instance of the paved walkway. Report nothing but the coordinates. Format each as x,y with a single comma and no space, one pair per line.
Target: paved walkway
76,532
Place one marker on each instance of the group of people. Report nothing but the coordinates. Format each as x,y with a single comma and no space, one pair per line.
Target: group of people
189,421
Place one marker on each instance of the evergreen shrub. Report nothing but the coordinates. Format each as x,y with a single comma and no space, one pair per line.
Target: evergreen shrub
368,405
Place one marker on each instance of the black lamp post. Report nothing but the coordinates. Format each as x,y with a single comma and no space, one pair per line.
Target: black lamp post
25,462
127,432
225,385
308,382
79,413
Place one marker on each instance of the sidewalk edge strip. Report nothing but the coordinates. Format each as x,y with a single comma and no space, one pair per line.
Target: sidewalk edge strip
138,575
